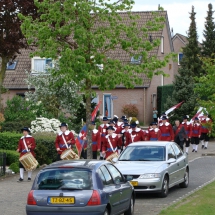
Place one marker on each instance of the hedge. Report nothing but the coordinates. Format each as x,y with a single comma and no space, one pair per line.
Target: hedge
11,156
162,94
14,126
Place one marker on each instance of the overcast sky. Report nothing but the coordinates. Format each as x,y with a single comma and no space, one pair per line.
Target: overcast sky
178,12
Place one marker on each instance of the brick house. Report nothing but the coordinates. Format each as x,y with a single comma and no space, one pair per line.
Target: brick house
144,96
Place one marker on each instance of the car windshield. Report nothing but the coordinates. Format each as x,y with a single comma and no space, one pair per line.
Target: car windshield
64,179
143,153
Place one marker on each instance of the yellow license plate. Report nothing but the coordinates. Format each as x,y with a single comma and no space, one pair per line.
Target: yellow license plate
61,200
134,183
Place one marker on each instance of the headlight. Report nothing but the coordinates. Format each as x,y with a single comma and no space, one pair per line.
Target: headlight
150,175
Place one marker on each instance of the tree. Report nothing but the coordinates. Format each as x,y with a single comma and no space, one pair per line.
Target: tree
192,50
183,91
208,45
205,89
82,34
11,37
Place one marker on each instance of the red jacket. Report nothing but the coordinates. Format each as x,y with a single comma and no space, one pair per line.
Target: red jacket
196,130
154,134
59,142
135,136
204,127
188,128
103,131
96,140
115,141
30,141
118,127
167,133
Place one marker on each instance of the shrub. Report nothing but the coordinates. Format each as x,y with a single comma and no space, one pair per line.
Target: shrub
130,110
9,140
14,167
15,126
41,154
11,156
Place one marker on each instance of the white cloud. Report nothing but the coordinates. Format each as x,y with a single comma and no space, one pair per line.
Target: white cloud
178,14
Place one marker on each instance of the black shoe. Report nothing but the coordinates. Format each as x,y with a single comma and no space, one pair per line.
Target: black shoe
205,147
20,180
202,146
29,179
193,150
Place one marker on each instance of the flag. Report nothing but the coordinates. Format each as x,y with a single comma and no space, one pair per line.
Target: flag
93,115
173,108
199,114
79,142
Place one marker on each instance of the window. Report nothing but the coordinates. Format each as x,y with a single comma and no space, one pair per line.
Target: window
171,153
180,56
107,105
96,99
40,64
162,44
177,150
101,175
107,176
12,65
117,177
136,59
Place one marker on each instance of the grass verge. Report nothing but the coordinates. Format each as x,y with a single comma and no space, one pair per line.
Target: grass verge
201,202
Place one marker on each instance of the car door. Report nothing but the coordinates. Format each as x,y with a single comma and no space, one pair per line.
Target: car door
124,187
172,167
181,161
110,189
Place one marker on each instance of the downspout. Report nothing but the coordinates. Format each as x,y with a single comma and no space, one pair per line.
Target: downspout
144,105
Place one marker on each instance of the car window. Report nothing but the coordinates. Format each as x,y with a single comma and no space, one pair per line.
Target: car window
143,153
61,178
117,177
101,175
177,150
107,175
171,153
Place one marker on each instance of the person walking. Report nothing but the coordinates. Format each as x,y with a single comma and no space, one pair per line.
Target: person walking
195,135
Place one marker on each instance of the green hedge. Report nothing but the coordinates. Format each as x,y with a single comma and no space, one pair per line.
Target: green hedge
162,94
11,156
14,126
45,147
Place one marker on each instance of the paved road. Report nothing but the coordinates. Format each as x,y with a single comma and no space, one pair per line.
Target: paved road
13,195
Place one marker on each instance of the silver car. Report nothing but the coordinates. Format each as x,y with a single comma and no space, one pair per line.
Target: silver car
154,166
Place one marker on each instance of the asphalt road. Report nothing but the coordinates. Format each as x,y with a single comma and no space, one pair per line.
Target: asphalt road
13,195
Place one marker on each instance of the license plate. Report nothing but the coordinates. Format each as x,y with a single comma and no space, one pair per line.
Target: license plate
61,200
134,183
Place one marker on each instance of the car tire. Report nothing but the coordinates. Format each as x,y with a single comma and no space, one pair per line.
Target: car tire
130,210
106,212
185,183
165,187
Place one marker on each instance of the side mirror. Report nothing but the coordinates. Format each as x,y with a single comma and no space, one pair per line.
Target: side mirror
129,178
115,160
171,160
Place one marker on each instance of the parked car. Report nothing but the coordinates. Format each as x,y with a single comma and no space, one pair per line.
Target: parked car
155,166
79,187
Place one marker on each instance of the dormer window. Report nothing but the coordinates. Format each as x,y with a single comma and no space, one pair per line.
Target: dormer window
40,64
136,59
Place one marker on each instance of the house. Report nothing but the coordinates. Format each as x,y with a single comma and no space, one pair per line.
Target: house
143,96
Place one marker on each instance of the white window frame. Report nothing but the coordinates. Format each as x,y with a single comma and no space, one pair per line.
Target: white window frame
38,58
103,110
178,58
162,44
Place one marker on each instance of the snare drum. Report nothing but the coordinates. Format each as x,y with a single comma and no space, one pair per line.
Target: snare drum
28,161
69,154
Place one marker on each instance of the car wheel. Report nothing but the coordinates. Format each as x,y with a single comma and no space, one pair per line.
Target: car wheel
130,210
165,187
186,180
106,212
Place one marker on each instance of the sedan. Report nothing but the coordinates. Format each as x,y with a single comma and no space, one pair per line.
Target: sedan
79,187
154,166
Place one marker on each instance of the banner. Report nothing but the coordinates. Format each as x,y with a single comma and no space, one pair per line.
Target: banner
93,115
173,108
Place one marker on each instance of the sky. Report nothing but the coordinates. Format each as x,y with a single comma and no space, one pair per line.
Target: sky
178,13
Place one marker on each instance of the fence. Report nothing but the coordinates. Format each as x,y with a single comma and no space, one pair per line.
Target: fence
2,163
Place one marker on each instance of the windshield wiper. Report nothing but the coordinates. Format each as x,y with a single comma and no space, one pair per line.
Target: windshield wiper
124,160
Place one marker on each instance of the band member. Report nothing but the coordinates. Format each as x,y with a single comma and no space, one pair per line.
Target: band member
188,128
103,131
135,134
112,142
195,135
165,127
96,141
154,133
125,134
205,130
117,125
180,134
64,140
26,144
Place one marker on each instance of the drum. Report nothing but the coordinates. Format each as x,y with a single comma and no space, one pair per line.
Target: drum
28,161
113,155
69,154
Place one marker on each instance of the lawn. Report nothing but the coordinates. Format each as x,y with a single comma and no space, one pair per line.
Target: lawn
201,202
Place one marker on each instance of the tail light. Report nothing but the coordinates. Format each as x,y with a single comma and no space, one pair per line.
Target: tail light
31,200
95,199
